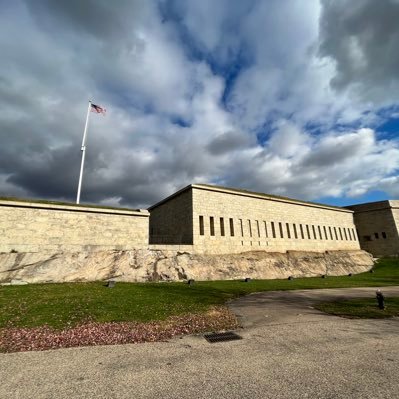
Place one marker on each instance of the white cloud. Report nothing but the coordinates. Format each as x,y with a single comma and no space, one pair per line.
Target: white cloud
288,140
174,115
335,164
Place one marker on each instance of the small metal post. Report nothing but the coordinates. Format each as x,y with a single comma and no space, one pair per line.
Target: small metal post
380,299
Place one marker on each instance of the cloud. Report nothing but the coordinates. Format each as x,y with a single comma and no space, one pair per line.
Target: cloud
227,142
362,39
336,148
334,164
228,92
288,140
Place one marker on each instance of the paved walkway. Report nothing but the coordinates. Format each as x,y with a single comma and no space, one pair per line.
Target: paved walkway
289,350
278,307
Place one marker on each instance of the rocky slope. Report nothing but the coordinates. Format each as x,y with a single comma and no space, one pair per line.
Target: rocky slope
156,265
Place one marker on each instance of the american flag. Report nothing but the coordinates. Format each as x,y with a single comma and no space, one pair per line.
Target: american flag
98,109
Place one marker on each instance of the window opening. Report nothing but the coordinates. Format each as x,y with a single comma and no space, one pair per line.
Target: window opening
231,227
280,226
212,225
201,225
288,230
222,227
273,230
295,232
302,235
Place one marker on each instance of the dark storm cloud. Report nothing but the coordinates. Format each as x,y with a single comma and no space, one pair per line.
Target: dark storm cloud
227,142
48,173
100,18
362,37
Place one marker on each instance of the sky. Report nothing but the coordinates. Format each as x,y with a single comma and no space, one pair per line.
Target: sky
294,98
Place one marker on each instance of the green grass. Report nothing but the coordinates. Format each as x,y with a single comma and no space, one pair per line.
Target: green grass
361,308
49,202
62,305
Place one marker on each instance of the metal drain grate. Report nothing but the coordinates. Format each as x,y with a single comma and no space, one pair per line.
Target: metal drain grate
222,337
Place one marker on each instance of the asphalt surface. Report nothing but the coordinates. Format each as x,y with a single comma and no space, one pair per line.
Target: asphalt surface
288,350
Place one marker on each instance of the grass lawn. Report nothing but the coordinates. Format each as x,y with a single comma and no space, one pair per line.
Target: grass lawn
361,308
66,305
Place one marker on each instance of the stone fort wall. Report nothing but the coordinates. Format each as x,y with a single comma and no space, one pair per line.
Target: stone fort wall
201,219
229,221
378,227
172,222
35,227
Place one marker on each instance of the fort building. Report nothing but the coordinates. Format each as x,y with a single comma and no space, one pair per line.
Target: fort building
201,219
218,220
377,226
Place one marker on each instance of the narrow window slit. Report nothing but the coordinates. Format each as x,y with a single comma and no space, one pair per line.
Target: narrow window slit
231,227
280,225
212,225
222,227
288,230
295,232
201,225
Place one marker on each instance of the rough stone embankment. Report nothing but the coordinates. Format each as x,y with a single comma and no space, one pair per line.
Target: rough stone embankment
158,265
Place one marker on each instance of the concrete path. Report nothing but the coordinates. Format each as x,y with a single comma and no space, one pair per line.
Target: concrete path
280,307
289,350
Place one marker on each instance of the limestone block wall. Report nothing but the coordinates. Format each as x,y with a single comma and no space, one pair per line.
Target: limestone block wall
171,220
378,227
230,222
34,227
395,213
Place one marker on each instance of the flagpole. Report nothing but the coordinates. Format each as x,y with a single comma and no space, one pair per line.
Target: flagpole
83,149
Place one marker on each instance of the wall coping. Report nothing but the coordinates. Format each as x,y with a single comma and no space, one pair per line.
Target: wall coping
374,206
73,208
245,193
